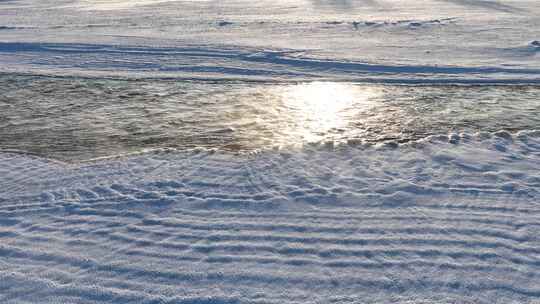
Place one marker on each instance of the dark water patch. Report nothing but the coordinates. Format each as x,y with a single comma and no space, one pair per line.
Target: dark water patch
77,119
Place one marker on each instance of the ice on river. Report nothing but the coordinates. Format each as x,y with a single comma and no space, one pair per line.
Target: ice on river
398,41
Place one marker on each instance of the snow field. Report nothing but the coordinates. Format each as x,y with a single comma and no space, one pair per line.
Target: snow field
450,219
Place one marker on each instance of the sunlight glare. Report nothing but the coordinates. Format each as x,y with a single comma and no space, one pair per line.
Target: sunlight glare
320,108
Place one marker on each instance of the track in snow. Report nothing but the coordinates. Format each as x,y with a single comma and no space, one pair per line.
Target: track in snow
239,63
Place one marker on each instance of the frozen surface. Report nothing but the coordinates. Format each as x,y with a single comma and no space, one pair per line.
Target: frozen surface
429,222
377,40
239,151
75,119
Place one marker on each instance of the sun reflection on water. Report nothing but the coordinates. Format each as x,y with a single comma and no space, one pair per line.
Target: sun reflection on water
314,110
122,116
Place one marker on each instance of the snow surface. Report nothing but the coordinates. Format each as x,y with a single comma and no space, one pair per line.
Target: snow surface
459,41
442,219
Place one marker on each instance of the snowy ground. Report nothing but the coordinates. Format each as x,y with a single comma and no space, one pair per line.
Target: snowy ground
433,222
400,41
157,151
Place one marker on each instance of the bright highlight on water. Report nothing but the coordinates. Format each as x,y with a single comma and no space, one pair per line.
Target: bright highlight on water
81,119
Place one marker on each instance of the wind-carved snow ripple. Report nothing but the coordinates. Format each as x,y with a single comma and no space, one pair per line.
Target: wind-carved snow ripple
443,220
